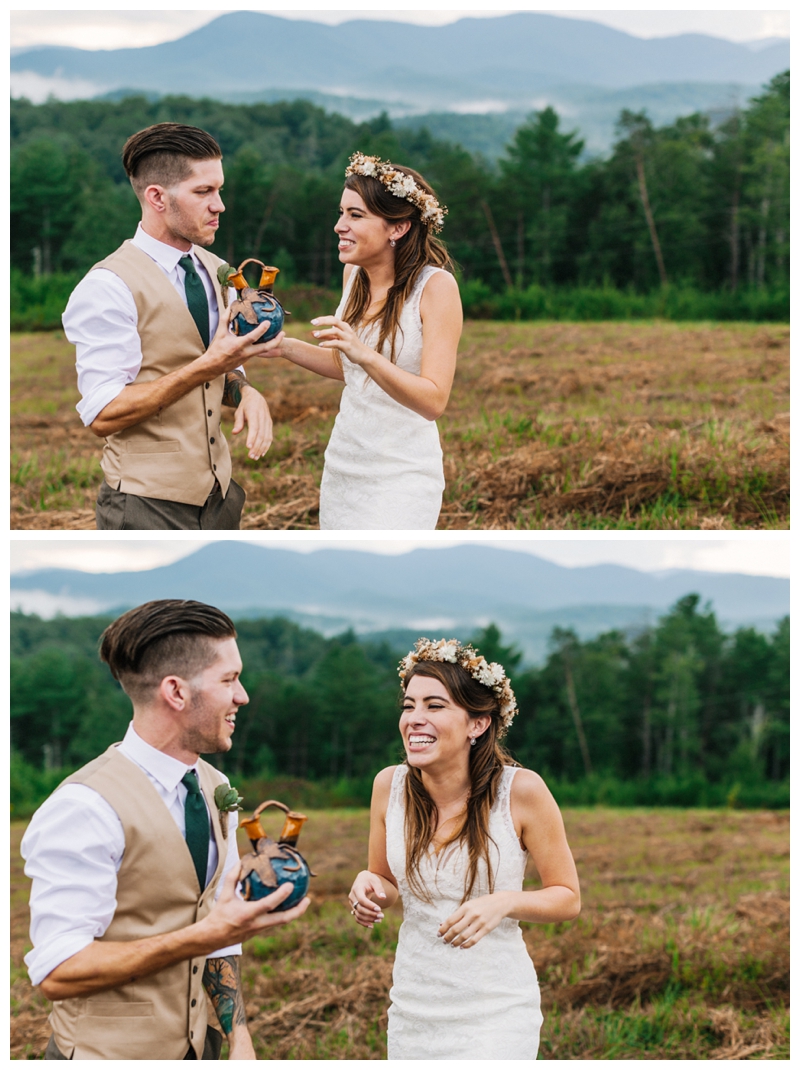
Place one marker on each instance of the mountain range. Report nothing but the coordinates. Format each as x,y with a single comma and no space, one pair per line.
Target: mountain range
457,589
514,63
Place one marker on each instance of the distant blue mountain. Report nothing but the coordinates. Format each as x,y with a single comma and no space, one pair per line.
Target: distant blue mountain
433,589
511,58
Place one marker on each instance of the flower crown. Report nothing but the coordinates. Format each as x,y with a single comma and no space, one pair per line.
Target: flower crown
400,185
492,676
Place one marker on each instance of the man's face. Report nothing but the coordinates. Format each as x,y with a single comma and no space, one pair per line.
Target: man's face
193,206
215,696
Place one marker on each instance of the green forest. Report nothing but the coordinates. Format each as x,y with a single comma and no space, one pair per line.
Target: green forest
689,220
681,713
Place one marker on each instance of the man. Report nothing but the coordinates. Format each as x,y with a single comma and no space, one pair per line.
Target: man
155,357
128,855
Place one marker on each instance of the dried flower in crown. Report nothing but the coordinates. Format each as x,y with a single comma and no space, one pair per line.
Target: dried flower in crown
491,675
400,185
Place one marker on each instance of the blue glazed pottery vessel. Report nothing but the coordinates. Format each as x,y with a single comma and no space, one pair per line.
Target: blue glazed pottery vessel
254,305
272,864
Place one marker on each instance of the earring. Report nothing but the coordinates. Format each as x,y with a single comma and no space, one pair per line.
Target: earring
472,741
393,243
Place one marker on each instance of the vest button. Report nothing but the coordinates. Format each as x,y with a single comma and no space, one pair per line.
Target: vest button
210,413
211,441
194,1002
208,385
191,1035
194,969
215,468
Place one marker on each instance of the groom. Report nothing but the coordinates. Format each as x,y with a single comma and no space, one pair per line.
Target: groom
156,361
128,856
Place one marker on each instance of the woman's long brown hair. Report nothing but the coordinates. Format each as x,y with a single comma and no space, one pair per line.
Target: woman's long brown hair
414,251
486,761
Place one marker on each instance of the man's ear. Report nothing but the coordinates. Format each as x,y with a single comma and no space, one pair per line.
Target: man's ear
174,691
155,197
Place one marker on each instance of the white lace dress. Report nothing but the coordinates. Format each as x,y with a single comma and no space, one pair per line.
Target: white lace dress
449,1003
383,465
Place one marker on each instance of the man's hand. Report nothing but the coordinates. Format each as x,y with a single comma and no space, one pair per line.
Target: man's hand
233,920
228,351
254,411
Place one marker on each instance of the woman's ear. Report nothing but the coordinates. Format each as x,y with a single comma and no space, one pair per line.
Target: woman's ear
399,229
478,726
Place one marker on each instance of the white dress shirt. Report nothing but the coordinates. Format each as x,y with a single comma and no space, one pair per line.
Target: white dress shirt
101,320
73,848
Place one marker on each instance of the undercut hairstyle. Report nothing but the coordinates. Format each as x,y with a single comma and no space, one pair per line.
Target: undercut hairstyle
414,251
486,762
169,637
163,154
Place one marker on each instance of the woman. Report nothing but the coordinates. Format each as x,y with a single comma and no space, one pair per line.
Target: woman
450,832
393,341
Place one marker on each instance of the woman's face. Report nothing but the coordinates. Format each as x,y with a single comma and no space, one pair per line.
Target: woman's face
363,236
435,730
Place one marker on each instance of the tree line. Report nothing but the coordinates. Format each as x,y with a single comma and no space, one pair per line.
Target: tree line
680,712
689,204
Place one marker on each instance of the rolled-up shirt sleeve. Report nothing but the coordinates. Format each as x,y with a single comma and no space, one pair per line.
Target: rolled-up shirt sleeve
101,322
72,850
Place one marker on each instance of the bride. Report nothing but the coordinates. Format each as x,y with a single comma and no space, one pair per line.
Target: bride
393,341
451,831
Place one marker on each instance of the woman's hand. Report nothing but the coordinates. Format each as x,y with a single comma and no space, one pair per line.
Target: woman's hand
340,335
363,909
474,919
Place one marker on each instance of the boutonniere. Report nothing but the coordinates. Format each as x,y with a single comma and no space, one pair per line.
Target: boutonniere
228,801
224,274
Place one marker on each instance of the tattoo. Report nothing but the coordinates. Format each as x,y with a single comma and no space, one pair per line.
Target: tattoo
232,394
224,986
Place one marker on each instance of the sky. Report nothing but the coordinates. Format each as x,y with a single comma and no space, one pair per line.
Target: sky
764,554
137,28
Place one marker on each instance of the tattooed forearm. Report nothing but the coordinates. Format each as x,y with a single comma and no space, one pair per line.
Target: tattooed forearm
224,986
232,394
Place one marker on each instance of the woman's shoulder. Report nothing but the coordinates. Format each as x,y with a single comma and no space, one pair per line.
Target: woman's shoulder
438,279
382,786
527,787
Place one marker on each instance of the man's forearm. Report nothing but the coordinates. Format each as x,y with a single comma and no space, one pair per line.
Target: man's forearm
235,382
137,401
223,983
110,963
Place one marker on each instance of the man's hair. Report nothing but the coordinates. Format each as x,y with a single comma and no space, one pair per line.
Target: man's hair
163,154
169,637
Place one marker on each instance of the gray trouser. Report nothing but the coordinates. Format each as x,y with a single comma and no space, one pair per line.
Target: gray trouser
211,1050
117,511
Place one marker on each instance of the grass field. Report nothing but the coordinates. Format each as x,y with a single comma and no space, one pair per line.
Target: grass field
550,425
681,950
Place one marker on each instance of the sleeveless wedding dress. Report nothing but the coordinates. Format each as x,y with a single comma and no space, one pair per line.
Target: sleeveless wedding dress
449,1003
383,465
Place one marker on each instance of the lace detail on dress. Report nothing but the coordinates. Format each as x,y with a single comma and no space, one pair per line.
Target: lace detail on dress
383,465
447,1003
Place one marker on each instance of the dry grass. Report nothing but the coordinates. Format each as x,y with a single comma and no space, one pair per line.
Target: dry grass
651,425
681,950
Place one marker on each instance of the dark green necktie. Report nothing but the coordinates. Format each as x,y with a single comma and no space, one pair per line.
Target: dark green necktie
196,826
196,297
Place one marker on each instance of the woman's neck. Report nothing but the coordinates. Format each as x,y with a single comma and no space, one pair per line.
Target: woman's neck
447,787
381,279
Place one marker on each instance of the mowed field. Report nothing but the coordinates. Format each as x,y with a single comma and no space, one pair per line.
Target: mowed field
681,950
550,425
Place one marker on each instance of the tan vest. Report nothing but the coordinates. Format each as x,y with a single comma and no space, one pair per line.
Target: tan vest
160,1016
176,453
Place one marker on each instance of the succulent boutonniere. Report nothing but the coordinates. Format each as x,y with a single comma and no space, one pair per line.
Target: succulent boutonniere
228,801
224,274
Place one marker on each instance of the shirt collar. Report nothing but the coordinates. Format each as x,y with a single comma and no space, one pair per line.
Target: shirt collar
166,770
167,256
